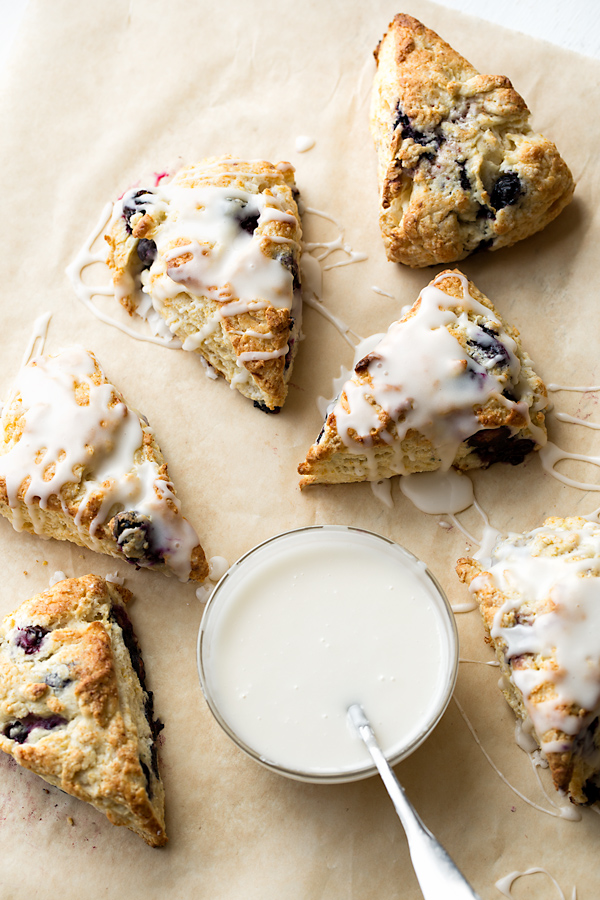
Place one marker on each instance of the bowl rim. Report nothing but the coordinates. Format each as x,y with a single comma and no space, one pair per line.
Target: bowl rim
369,769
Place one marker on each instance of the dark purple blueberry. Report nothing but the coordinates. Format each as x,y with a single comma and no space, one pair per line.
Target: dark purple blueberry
146,772
498,445
246,213
154,755
485,346
402,121
464,178
156,726
146,250
592,790
363,364
249,222
426,157
30,638
20,730
133,534
56,681
506,190
484,245
289,354
508,393
484,212
264,408
288,260
585,747
119,615
16,731
524,618
475,373
133,203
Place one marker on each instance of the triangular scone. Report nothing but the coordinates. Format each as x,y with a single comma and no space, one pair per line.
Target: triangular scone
215,252
460,168
447,385
78,464
74,707
540,603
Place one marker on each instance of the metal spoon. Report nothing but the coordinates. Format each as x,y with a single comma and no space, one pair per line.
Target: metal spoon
438,876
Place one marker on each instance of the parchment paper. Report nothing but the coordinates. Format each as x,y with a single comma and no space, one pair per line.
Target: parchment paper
99,93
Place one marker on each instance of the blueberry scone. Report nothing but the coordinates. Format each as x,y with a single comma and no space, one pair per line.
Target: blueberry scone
448,385
540,603
74,707
215,253
78,464
460,168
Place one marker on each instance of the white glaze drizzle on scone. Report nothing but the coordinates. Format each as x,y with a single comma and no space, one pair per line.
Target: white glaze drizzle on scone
448,372
215,252
74,707
76,463
540,601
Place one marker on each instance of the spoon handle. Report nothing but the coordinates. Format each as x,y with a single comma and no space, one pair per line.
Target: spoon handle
438,876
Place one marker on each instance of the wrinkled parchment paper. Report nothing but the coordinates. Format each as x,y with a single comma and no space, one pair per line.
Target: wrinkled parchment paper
96,95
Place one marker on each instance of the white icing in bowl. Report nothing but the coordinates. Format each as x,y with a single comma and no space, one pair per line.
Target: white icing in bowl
311,621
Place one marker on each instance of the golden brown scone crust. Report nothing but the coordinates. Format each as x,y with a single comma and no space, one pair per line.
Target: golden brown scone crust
460,168
573,767
66,516
190,312
64,662
329,461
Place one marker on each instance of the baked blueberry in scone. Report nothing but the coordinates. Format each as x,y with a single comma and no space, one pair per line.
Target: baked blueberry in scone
78,464
448,385
460,168
74,705
539,598
215,253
